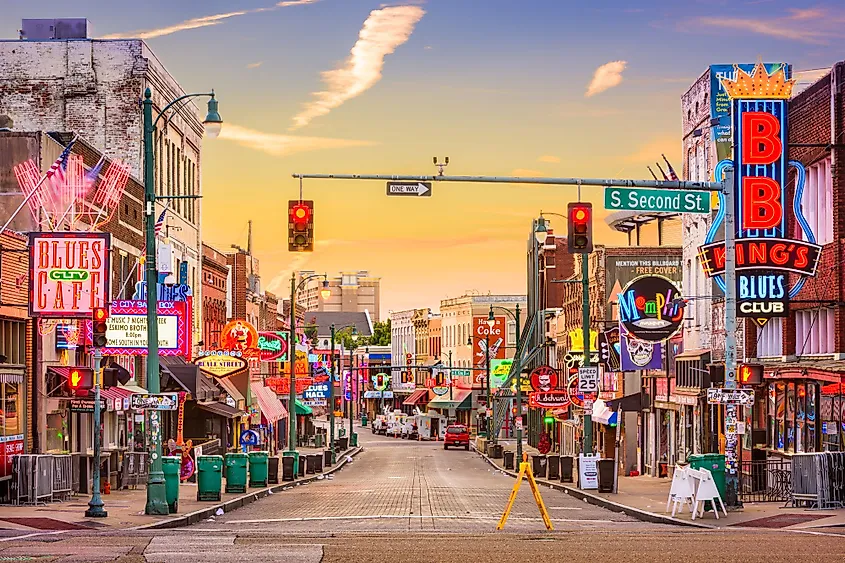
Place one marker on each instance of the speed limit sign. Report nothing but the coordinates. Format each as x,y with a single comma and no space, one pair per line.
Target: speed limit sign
588,379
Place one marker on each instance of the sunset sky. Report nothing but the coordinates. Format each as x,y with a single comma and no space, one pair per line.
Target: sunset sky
502,87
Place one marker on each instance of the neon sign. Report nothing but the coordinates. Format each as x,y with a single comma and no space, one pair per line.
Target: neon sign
273,346
651,308
127,328
765,256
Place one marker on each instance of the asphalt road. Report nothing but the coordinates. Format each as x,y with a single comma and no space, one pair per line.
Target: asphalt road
402,501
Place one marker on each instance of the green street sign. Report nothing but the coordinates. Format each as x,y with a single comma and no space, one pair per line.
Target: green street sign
666,201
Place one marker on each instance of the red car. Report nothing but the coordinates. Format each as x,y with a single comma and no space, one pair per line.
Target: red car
456,435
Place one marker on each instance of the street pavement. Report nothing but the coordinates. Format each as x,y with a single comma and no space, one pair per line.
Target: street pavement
402,501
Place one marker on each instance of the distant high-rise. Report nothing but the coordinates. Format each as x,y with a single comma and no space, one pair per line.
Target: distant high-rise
352,292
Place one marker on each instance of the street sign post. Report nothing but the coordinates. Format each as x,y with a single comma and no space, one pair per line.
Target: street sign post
716,396
664,201
588,379
418,189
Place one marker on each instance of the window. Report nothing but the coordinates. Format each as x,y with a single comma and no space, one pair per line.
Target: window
770,339
814,332
817,201
11,411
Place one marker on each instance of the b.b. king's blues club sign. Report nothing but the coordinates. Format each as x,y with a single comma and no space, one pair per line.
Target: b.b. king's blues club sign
766,255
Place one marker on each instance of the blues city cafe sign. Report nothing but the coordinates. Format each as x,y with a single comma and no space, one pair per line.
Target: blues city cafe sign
651,308
766,256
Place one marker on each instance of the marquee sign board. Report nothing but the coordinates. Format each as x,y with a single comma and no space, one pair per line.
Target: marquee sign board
651,308
766,256
127,328
154,402
220,366
69,273
548,399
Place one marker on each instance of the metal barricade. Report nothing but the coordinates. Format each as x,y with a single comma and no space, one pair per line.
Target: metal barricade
134,470
43,481
62,476
22,474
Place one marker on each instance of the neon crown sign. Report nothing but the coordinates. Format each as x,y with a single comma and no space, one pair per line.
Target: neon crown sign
765,256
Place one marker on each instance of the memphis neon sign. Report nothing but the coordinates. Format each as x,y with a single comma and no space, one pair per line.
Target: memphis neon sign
651,308
765,256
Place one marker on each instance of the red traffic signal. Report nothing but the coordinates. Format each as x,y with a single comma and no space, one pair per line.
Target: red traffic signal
751,374
300,226
80,379
580,237
100,325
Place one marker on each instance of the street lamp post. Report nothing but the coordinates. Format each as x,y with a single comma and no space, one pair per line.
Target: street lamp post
487,433
325,292
156,499
331,401
518,378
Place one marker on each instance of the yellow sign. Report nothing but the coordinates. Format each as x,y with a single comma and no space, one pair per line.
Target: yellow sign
576,340
220,366
525,471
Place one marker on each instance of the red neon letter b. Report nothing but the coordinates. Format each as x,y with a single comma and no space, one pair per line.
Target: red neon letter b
761,207
760,141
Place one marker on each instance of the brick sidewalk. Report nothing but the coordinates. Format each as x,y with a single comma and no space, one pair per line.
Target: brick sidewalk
649,494
126,507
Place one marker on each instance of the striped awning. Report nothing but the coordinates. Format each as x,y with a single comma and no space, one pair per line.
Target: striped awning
418,397
271,407
12,375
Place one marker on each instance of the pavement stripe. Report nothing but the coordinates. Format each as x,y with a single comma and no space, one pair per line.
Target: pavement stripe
33,535
400,517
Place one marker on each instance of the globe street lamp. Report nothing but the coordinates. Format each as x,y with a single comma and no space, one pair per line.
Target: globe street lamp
331,389
156,499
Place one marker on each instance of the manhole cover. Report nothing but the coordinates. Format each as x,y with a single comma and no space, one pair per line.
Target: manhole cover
781,520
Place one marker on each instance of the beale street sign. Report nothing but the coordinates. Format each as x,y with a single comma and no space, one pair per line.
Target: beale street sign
766,255
664,201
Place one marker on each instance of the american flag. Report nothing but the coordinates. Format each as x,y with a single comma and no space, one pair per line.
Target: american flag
160,223
672,175
56,173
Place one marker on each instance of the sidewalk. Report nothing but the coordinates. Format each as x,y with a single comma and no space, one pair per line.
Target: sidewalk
126,507
645,498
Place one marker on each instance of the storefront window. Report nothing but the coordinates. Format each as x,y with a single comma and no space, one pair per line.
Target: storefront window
779,410
790,417
772,414
793,410
800,404
11,411
810,416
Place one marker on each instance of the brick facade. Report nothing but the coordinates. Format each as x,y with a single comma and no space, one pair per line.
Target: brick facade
215,272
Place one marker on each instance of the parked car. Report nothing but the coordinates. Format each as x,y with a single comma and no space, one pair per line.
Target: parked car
456,435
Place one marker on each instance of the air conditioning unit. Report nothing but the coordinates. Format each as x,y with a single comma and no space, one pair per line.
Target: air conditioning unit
59,28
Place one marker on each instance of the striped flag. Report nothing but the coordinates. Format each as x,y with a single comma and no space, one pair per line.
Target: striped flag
160,223
94,173
56,173
672,175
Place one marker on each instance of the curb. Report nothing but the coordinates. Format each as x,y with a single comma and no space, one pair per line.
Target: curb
243,500
602,502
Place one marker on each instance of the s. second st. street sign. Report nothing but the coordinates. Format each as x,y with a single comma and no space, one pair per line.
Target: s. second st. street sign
664,201
409,188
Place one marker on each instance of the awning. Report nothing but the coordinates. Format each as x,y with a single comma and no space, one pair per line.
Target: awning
629,403
418,397
302,409
692,354
12,375
230,388
189,378
378,394
459,397
602,413
220,409
270,405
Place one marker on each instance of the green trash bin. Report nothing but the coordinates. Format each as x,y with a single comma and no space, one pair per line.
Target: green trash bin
715,464
353,442
364,420
236,464
209,477
318,440
171,466
258,469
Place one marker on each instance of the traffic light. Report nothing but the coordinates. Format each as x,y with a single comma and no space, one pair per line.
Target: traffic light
300,226
580,237
80,379
109,377
751,374
100,325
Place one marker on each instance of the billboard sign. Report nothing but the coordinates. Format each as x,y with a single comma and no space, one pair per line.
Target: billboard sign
68,273
622,270
127,329
240,336
768,253
220,366
480,332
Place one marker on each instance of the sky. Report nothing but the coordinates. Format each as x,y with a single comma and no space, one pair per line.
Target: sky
501,87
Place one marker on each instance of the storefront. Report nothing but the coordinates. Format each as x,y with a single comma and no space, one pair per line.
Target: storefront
12,416
455,406
272,412
417,399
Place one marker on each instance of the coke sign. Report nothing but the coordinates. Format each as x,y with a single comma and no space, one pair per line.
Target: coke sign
481,331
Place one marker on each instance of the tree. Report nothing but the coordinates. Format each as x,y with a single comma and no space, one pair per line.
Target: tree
381,334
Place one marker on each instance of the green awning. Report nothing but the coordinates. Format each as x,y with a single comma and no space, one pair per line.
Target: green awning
303,409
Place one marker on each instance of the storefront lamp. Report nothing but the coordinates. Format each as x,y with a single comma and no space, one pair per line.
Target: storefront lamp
213,122
325,292
541,231
491,320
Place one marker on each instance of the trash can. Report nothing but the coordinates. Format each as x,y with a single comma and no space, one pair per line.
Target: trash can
353,440
496,451
273,470
553,467
566,469
287,469
364,419
327,458
209,477
318,440
715,464
236,466
258,469
341,444
303,465
170,466
538,466
605,467
317,461
508,459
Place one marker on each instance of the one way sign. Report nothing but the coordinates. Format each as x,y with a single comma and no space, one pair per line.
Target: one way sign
409,188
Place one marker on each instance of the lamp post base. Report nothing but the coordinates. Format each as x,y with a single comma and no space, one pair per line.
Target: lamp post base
295,455
156,496
95,507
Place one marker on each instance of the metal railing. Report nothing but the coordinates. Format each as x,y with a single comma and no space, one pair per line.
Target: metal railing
766,480
818,479
62,477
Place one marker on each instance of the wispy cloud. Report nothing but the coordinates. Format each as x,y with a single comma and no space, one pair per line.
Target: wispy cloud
526,172
284,145
255,65
650,151
204,21
549,158
816,26
383,31
606,76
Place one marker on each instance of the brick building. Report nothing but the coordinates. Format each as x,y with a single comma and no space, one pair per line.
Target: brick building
215,295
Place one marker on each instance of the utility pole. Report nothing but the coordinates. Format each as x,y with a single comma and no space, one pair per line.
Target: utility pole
732,477
95,505
291,452
489,406
585,327
332,369
518,395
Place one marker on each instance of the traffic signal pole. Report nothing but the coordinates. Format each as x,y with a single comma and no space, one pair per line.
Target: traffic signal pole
95,505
